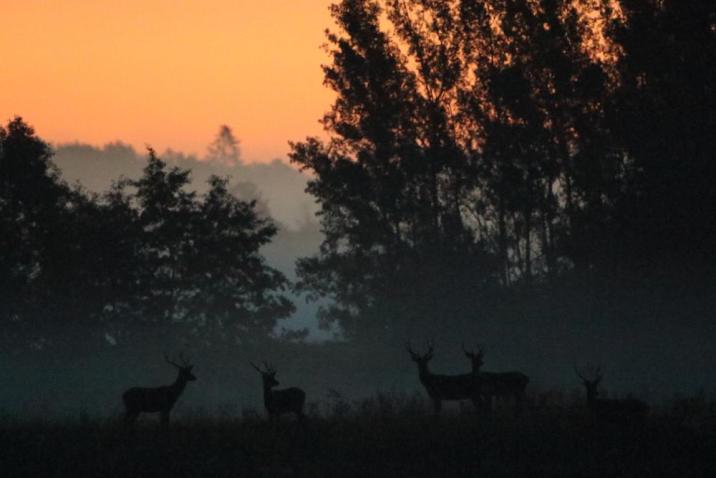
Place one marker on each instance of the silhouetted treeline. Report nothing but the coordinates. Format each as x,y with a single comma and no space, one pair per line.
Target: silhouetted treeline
149,253
484,150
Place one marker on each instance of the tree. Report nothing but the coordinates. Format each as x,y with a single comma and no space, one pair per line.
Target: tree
468,150
236,295
33,206
663,114
397,251
200,264
167,213
225,148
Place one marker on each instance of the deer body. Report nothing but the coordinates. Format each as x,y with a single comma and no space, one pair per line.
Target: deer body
446,387
158,399
611,409
498,384
279,402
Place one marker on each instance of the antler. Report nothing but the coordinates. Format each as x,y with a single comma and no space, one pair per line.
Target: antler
166,357
595,372
426,356
471,354
268,368
184,360
429,353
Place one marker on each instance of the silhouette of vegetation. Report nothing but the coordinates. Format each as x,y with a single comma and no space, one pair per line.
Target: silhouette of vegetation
384,436
535,171
483,152
148,251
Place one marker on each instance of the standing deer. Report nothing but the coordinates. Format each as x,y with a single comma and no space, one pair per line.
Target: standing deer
278,402
500,385
610,409
160,399
445,387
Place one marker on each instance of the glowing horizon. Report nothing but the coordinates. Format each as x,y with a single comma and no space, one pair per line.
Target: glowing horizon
165,72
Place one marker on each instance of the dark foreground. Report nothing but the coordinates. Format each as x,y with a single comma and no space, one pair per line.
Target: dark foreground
377,440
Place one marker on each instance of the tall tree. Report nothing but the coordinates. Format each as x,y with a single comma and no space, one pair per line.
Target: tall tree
225,149
664,114
33,206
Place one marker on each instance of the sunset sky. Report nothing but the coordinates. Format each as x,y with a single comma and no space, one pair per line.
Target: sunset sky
166,72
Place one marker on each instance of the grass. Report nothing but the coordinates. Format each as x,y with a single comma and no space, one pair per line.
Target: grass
385,436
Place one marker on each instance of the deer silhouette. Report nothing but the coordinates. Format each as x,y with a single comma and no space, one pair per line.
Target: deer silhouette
497,385
279,402
159,399
445,387
609,409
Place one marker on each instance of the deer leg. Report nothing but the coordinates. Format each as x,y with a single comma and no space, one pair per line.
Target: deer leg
519,403
129,418
164,420
487,403
437,405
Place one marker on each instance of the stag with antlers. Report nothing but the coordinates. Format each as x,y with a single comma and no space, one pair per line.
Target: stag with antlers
159,399
445,387
278,402
609,409
497,385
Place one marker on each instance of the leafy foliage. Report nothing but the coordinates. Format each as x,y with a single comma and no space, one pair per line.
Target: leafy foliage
477,146
148,251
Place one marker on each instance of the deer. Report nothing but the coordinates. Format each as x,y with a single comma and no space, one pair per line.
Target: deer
610,409
279,402
445,387
494,384
159,399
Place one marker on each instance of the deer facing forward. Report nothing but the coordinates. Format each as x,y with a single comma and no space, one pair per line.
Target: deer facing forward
498,384
446,387
279,402
618,410
159,399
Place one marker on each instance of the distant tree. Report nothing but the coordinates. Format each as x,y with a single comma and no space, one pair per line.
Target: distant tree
225,148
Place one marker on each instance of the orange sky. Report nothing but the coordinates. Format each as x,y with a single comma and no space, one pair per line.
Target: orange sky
166,72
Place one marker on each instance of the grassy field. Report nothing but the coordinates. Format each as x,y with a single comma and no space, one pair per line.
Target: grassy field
381,437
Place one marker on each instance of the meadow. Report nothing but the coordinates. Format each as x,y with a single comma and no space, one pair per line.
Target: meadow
388,435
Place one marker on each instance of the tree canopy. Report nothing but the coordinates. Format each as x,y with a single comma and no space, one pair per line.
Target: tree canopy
147,252
485,146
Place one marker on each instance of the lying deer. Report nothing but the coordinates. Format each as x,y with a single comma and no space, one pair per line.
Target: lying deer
160,399
498,385
610,409
278,402
445,387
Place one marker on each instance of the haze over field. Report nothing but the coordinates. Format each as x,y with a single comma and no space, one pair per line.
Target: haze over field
535,178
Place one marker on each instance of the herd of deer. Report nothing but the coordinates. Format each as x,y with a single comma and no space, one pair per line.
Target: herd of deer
482,388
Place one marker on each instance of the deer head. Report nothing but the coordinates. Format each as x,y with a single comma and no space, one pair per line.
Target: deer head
590,378
268,374
475,357
184,368
421,359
